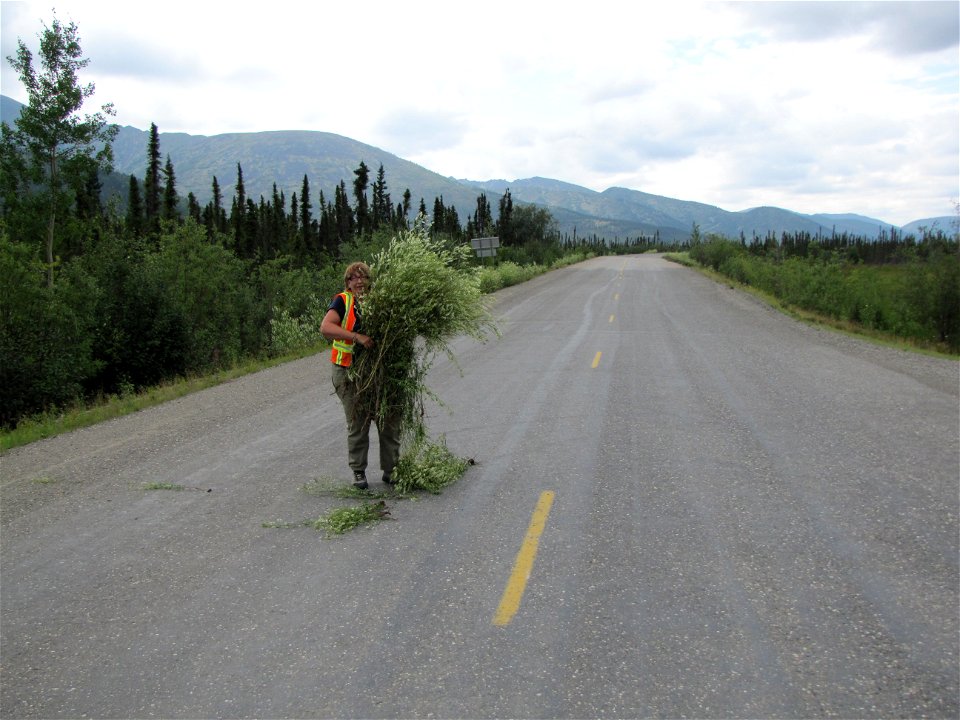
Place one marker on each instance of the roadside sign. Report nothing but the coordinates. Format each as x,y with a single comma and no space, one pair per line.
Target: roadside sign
485,246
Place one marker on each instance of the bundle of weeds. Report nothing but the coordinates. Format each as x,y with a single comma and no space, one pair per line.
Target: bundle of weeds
423,296
427,465
338,521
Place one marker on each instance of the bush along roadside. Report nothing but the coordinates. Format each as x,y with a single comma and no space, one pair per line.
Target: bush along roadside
913,295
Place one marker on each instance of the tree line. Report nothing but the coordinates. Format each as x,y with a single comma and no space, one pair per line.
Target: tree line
98,298
897,285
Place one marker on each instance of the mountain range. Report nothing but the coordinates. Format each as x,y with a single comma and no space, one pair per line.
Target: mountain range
285,157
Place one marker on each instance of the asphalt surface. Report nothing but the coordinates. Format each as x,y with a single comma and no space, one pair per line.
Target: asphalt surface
751,518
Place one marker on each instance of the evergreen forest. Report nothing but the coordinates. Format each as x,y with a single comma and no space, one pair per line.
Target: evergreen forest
101,299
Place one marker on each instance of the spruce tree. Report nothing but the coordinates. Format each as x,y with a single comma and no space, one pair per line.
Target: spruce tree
237,221
219,214
170,199
482,218
293,226
504,229
151,182
134,208
278,223
193,207
88,194
306,219
343,215
403,211
439,214
327,230
382,207
360,195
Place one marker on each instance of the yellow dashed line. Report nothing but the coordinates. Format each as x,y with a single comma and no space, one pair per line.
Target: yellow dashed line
513,593
596,360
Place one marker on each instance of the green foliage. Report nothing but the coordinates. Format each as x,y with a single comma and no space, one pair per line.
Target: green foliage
915,298
505,274
45,333
423,296
339,521
429,466
714,252
141,337
207,286
289,333
57,146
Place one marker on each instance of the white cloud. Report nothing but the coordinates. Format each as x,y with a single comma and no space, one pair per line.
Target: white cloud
816,107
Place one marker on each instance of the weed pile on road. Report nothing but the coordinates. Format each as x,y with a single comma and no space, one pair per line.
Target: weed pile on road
342,519
429,466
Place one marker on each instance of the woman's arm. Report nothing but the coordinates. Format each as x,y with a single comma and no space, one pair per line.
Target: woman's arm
331,330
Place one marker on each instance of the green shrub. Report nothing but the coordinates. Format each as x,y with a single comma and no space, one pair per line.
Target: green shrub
46,334
207,284
289,333
490,280
917,298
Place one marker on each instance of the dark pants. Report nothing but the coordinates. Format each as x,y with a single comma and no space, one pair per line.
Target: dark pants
358,428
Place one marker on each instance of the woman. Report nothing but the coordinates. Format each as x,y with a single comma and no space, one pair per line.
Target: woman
342,325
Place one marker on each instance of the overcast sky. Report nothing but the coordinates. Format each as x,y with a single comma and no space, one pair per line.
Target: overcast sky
809,106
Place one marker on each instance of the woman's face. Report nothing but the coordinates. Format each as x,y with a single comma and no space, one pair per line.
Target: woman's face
357,284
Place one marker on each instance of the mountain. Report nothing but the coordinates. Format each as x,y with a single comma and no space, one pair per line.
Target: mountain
667,214
950,224
284,157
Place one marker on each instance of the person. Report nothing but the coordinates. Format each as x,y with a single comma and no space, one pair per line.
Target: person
342,324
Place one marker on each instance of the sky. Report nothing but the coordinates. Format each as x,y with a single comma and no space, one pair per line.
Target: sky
816,107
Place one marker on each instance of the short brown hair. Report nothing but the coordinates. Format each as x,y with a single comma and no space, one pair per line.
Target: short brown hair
357,268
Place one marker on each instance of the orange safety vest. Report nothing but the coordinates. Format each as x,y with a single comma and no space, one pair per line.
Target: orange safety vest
342,353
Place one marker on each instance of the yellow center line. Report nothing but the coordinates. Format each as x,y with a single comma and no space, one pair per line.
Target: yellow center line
512,594
596,359
616,296
611,318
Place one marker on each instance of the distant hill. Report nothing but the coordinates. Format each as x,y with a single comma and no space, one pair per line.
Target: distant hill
950,224
645,210
284,157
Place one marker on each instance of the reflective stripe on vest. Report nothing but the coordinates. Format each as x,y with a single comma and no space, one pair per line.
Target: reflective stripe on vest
342,353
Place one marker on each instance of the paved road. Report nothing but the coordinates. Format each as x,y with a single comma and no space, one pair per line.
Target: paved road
750,518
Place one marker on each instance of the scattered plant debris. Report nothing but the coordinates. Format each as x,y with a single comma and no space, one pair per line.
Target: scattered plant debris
342,519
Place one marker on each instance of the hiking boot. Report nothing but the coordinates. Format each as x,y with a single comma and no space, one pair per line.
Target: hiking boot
387,479
360,480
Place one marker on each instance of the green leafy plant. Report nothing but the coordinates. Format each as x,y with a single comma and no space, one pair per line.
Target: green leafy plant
342,519
427,465
424,294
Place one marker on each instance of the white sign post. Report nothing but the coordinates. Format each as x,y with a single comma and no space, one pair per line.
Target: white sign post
485,246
